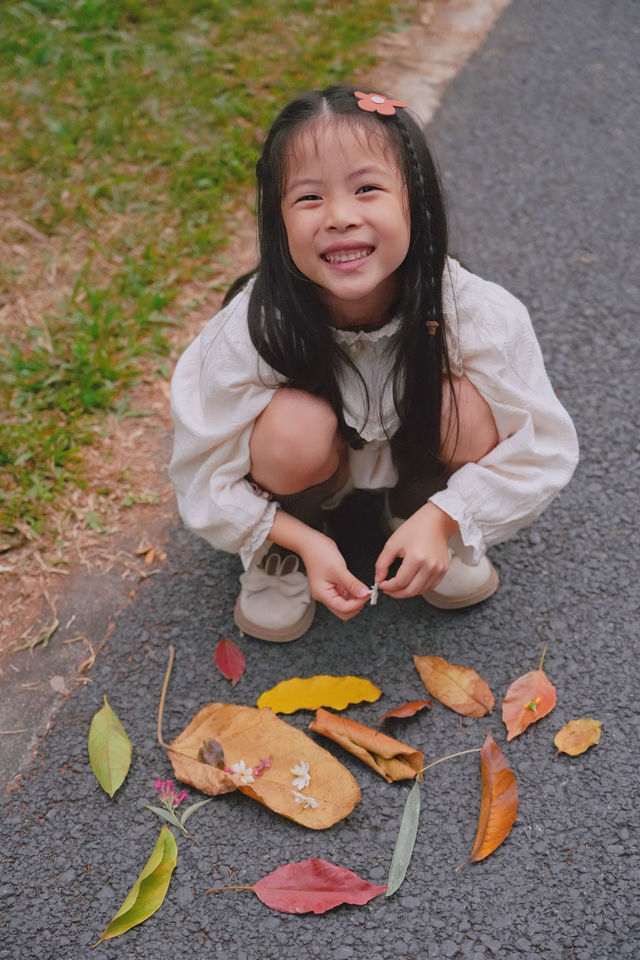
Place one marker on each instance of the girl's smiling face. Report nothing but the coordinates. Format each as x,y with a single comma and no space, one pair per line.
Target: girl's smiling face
345,210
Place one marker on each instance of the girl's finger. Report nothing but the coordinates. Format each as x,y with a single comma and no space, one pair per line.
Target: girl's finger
407,571
384,561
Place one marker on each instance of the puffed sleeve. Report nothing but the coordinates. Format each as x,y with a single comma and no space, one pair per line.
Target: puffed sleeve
219,388
492,341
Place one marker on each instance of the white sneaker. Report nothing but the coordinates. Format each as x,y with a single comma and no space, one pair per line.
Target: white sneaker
275,601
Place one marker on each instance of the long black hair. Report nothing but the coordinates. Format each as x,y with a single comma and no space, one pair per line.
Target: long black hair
287,320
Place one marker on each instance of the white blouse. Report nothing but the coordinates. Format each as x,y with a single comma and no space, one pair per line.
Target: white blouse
221,386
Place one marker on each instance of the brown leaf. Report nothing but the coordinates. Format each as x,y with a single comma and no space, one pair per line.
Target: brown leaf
388,757
578,735
212,753
247,735
529,698
406,710
460,688
499,804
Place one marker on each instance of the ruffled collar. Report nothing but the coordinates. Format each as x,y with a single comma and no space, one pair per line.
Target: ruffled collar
349,337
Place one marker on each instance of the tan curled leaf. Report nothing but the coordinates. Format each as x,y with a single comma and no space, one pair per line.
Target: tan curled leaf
459,688
248,735
578,735
499,804
109,749
388,757
149,890
528,699
309,693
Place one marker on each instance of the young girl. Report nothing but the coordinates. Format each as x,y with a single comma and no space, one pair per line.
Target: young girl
358,355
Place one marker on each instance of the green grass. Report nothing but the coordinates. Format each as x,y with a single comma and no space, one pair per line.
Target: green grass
133,127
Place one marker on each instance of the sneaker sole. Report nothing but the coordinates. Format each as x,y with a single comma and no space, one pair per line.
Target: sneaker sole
293,632
487,590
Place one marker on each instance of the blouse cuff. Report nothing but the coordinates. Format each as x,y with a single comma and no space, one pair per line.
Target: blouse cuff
257,543
468,543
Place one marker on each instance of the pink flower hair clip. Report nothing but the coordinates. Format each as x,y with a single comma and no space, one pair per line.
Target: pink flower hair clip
376,103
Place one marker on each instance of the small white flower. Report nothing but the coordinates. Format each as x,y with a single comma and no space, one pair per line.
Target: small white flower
306,801
245,773
302,775
374,595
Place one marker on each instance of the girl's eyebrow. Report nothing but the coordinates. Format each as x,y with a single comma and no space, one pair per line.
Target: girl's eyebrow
307,182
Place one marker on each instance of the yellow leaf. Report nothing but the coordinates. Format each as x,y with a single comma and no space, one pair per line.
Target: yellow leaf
248,736
322,691
578,735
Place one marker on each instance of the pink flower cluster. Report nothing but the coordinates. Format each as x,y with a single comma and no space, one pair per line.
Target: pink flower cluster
169,795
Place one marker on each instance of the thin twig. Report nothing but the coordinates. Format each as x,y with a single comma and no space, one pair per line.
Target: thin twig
450,757
163,695
5,732
542,658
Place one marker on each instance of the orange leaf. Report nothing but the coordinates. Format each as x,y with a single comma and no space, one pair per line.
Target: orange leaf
248,736
499,804
578,736
388,757
406,710
460,688
529,698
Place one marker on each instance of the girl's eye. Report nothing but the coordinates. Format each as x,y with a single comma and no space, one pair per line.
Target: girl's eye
367,188
308,196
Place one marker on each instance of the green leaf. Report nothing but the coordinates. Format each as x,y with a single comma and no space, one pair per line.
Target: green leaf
109,749
194,806
406,840
149,890
165,814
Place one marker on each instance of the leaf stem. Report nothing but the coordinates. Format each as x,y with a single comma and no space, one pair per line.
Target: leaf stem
167,677
542,658
234,887
450,757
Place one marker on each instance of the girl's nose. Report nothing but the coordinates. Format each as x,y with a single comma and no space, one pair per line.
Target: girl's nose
341,214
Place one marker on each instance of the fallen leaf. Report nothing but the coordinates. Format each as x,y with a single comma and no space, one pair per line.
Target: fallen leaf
58,684
109,749
406,840
499,804
528,699
246,735
309,693
212,753
230,660
460,688
578,735
311,886
388,757
406,710
149,890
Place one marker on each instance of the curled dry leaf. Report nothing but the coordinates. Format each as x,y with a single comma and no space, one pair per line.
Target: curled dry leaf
528,699
406,710
309,693
230,659
460,688
578,735
499,804
388,757
311,886
109,749
246,735
149,890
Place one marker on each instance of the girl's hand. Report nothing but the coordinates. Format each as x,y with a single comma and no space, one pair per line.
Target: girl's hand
330,580
422,542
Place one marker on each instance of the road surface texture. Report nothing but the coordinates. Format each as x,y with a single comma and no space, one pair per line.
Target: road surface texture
538,144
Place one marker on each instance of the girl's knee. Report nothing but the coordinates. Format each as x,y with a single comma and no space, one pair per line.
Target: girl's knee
468,430
295,442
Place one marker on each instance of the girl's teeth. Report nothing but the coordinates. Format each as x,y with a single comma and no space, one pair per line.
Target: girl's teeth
346,256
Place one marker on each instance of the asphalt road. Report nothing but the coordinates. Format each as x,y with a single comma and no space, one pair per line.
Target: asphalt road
538,143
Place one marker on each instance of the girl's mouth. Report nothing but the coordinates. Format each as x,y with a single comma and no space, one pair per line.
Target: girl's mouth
347,256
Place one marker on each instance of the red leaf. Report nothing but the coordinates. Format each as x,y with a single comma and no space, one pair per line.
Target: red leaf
407,709
529,698
230,660
313,886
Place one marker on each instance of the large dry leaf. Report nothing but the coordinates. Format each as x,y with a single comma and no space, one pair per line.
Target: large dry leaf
529,698
249,735
149,890
499,804
388,757
578,735
311,886
460,688
309,693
